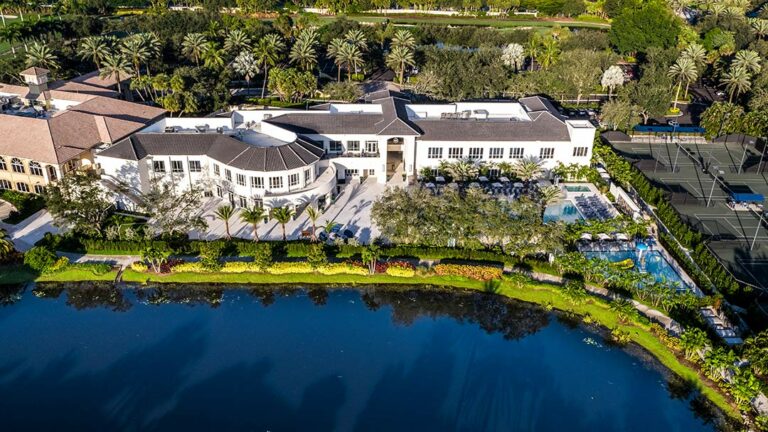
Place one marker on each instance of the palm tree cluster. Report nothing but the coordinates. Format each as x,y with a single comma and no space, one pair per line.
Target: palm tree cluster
402,53
348,52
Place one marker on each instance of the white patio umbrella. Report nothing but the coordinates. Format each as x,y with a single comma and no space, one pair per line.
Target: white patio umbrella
603,237
503,179
586,237
430,185
483,178
621,237
440,179
518,185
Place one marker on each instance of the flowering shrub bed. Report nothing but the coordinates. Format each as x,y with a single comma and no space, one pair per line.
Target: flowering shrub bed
290,267
188,267
482,273
138,266
239,267
399,269
343,268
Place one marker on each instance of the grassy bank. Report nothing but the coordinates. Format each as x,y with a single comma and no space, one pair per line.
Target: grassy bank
12,275
533,292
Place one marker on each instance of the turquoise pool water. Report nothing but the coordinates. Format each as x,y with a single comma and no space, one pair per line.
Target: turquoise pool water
565,211
653,262
94,358
577,189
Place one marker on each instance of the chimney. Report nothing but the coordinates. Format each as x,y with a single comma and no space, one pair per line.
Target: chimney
37,80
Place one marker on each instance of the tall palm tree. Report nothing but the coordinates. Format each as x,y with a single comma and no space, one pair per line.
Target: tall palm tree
329,226
193,46
245,64
267,53
213,57
550,51
462,170
548,195
684,70
154,47
115,66
334,52
759,27
398,59
351,56
695,52
135,51
253,216
513,56
40,54
94,48
357,38
528,169
736,82
309,36
403,39
282,215
533,49
224,213
749,60
313,214
237,41
303,54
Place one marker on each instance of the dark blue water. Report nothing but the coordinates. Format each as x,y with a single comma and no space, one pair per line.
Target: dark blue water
104,359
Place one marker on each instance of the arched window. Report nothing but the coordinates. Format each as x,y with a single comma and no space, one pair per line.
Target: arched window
51,173
17,165
3,166
35,169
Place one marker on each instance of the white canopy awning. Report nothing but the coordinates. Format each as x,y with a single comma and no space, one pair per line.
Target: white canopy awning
603,237
622,237
586,236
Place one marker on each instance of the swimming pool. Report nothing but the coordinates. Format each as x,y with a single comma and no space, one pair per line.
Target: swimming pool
565,211
576,188
652,262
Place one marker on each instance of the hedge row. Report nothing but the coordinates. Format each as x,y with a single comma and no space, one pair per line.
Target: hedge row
628,175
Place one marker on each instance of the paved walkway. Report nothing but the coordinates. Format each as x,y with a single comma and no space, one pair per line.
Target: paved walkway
30,230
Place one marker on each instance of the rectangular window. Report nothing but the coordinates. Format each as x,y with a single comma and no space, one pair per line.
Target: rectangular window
39,189
580,151
455,153
275,182
243,201
241,180
158,166
195,166
435,153
371,146
547,153
5,184
17,165
476,153
35,169
22,187
216,170
3,166
177,166
516,153
219,192
307,176
228,174
334,146
496,153
257,182
351,172
293,180
353,146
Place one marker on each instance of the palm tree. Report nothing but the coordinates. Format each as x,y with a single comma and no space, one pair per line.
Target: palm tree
334,52
351,56
513,56
533,48
398,59
695,52
41,55
759,26
329,226
114,65
135,51
153,45
303,54
548,195
224,213
313,214
462,170
549,53
246,65
267,54
624,309
94,48
237,41
403,39
6,245
193,46
282,215
357,38
684,69
736,81
528,169
308,36
612,77
11,35
749,60
253,216
370,256
212,56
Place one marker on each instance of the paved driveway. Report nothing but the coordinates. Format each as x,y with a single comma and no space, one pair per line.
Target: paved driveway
31,229
352,209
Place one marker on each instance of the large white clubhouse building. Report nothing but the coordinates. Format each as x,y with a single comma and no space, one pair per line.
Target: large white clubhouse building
293,157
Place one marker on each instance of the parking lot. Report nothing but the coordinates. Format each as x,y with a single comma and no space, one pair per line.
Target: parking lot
687,172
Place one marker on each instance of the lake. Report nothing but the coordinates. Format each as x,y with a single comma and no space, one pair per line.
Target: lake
84,357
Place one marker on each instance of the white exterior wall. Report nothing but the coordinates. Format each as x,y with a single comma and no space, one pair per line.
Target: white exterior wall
378,164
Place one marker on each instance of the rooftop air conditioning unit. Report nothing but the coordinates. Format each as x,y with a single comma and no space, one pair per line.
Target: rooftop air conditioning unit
170,129
466,114
220,130
201,128
267,116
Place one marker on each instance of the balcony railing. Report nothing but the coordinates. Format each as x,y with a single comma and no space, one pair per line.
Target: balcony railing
328,155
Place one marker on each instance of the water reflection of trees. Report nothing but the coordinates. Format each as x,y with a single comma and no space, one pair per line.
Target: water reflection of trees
86,295
187,295
494,314
10,294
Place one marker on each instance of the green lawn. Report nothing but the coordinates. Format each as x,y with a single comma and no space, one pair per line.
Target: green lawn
472,21
11,275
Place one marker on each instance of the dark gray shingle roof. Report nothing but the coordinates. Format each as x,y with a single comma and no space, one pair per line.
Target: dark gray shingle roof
223,148
544,127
